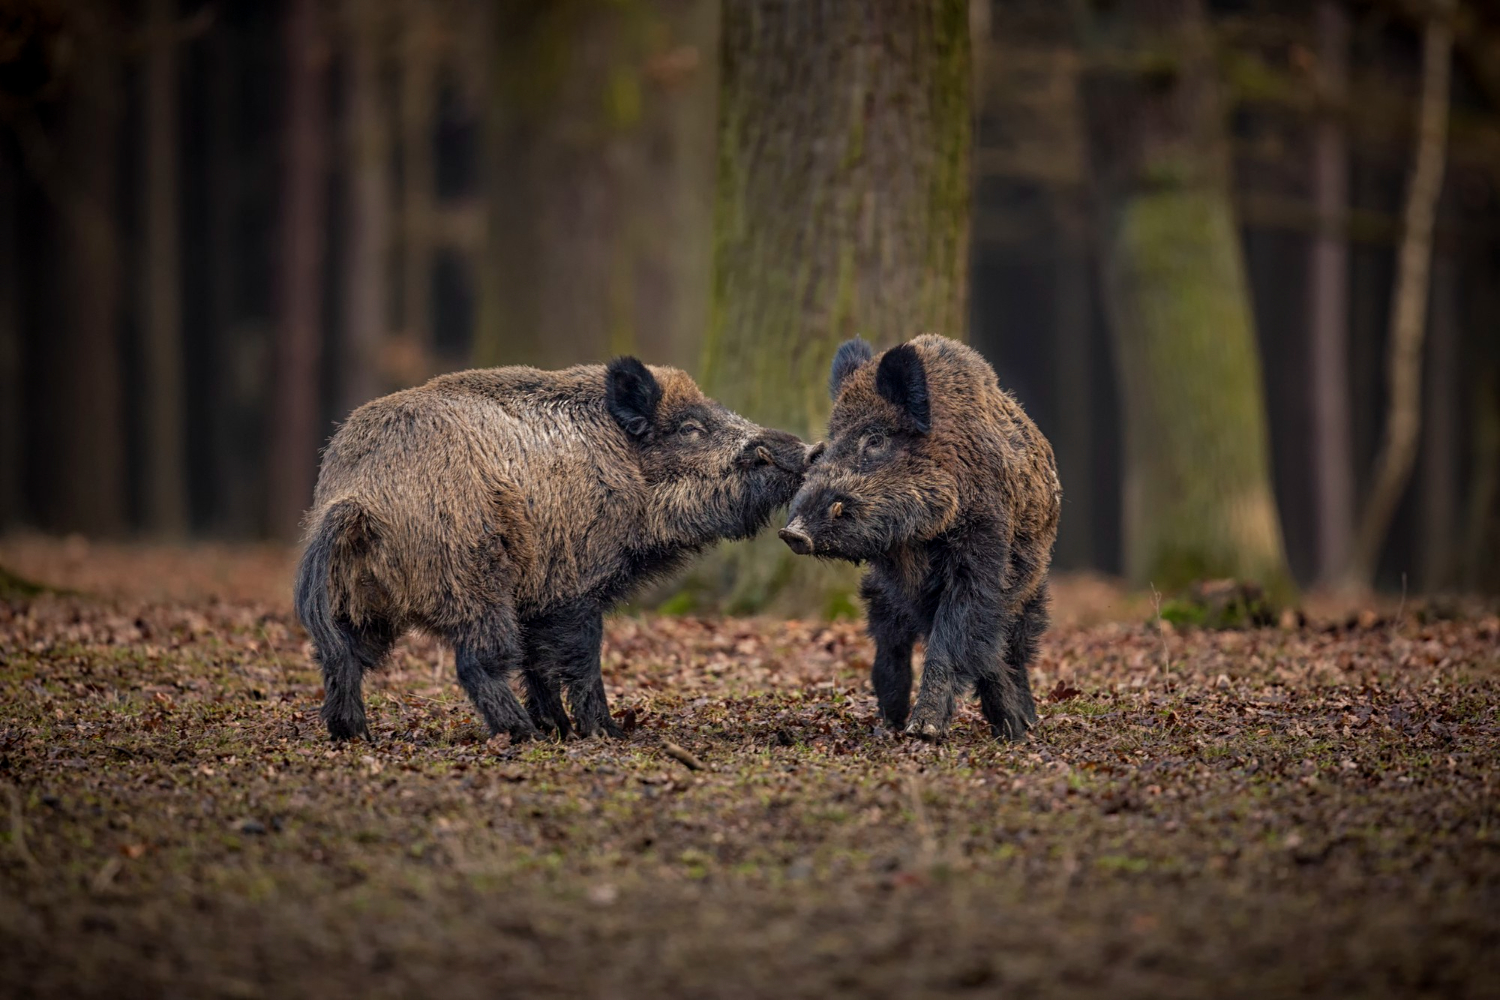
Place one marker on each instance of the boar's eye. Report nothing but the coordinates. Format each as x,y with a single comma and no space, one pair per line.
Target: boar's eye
691,429
873,443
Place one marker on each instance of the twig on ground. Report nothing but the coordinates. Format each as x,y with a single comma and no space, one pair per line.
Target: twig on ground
106,876
928,846
683,755
18,828
1166,660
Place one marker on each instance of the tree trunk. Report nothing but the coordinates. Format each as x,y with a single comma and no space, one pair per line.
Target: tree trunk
92,494
1198,500
1328,289
369,205
166,433
1482,517
1439,507
298,348
599,173
1398,448
1073,279
843,206
416,108
12,374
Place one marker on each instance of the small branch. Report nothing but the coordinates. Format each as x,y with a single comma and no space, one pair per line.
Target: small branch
683,755
1398,448
18,829
1166,660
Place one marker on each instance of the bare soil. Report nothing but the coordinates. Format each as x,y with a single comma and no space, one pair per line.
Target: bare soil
1308,811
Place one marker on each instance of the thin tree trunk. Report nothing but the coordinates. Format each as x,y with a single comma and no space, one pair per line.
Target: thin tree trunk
1398,449
1439,451
92,495
1482,518
843,207
12,384
416,109
238,493
1072,284
294,415
1198,499
369,194
1328,288
166,434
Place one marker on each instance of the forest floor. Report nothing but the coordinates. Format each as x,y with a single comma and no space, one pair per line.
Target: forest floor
1278,812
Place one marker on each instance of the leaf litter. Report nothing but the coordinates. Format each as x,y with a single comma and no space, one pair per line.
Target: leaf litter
1308,810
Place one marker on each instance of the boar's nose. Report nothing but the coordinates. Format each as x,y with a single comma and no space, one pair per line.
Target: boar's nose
796,537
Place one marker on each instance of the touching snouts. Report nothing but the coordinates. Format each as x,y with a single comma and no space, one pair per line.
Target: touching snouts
785,451
796,537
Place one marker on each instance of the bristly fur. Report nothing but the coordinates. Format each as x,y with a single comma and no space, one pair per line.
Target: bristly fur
935,477
505,510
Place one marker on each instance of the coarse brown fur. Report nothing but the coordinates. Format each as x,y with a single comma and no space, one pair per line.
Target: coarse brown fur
935,477
506,510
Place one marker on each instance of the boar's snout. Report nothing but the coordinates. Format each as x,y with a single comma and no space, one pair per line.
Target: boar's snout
796,537
785,451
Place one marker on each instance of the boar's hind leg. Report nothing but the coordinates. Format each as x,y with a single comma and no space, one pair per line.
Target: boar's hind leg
1025,632
578,665
486,651
1006,695
544,701
344,663
543,682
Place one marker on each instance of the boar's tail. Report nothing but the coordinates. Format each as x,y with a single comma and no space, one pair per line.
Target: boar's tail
335,541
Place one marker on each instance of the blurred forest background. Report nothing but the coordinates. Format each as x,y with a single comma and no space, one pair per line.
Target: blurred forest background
1240,260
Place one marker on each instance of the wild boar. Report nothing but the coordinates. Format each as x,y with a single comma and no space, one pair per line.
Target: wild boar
935,477
505,510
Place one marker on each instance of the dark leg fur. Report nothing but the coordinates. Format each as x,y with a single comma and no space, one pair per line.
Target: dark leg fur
565,651
544,701
891,628
965,642
485,653
344,665
1006,699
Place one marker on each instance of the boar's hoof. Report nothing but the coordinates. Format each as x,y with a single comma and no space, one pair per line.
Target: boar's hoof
343,730
924,727
1012,728
604,727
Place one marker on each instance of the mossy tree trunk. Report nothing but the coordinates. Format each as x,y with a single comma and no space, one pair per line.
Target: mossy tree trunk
843,209
1198,498
598,170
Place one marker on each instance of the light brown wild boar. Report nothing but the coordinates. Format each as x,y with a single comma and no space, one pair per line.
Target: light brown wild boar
505,510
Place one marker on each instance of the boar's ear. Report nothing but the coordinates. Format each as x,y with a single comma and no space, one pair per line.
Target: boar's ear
901,379
851,354
631,394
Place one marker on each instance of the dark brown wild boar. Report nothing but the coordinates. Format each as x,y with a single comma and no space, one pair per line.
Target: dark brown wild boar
505,510
935,477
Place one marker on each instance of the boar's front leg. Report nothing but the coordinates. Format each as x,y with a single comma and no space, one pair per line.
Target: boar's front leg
894,631
964,641
486,651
